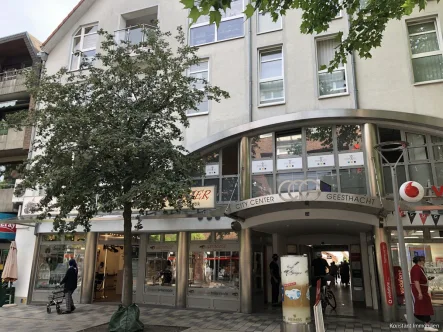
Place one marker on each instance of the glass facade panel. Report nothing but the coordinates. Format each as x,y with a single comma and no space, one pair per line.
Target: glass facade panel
401,177
439,172
170,237
438,152
226,236
421,173
230,189
160,269
329,177
289,144
201,236
416,154
216,183
262,185
230,160
152,238
319,140
282,177
262,146
349,137
353,181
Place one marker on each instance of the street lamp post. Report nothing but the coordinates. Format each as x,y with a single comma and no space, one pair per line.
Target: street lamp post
392,147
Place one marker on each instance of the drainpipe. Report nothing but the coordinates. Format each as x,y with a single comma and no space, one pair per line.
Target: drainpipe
250,67
354,75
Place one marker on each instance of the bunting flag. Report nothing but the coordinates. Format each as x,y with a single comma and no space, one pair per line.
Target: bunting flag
411,216
423,217
435,218
402,213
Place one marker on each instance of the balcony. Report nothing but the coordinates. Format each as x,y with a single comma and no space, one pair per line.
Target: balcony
13,81
134,34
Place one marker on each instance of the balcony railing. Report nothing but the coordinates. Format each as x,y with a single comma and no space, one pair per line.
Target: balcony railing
134,35
13,80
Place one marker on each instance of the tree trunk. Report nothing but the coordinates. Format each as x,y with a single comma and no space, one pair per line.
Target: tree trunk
127,262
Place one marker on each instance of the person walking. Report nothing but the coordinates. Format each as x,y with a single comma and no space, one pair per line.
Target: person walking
275,279
422,301
70,285
344,273
333,271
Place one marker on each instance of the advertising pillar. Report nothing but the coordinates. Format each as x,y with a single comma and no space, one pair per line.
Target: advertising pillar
295,294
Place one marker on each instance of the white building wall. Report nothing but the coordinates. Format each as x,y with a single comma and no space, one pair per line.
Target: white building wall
25,240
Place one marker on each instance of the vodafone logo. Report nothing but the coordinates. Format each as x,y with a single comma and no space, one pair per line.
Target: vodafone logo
412,191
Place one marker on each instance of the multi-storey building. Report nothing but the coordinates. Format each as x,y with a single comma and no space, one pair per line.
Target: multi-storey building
18,53
286,120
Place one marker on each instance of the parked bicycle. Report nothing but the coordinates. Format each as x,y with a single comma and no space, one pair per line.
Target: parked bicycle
328,297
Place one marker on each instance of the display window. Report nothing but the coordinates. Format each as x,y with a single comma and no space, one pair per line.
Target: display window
161,269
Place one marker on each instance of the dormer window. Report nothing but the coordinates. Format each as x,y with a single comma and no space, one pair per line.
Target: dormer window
85,42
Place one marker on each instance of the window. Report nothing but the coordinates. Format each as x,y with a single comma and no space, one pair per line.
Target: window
201,236
271,77
335,83
231,26
348,138
201,73
262,185
290,144
328,177
319,139
265,23
353,181
85,42
427,58
261,146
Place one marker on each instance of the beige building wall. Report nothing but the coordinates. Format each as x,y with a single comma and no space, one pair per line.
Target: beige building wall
383,82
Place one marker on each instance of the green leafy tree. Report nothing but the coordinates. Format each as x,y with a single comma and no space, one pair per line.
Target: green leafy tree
110,134
368,18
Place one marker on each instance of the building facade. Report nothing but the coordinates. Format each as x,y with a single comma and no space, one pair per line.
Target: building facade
288,126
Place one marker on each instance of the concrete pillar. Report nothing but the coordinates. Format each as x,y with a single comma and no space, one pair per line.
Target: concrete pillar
373,162
245,168
141,267
245,271
88,283
182,269
365,269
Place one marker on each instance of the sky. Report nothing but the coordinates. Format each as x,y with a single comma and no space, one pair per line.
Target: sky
38,17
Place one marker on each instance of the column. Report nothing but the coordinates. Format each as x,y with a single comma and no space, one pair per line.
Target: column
245,169
245,271
88,282
140,291
386,282
182,269
365,268
376,188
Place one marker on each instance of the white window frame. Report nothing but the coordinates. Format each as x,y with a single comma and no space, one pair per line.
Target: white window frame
267,31
195,113
224,19
82,37
427,54
271,79
341,68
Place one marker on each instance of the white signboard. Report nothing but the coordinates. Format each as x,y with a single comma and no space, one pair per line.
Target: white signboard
295,282
318,316
262,166
212,170
326,160
289,163
351,159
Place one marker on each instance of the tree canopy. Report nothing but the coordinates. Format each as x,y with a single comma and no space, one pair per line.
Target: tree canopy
109,136
367,18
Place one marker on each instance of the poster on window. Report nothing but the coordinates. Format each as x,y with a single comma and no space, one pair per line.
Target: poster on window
289,163
212,170
326,160
262,166
351,159
295,282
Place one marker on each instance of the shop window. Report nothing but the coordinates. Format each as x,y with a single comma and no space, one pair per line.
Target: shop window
353,181
261,146
389,135
160,269
289,144
262,185
422,174
319,140
387,178
201,236
230,189
348,137
328,177
226,236
230,159
170,237
153,238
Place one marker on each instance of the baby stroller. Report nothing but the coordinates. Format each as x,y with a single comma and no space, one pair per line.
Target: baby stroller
56,299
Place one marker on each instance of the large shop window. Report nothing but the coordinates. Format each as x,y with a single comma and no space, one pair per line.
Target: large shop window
201,73
160,269
54,254
426,50
85,42
271,76
231,26
335,83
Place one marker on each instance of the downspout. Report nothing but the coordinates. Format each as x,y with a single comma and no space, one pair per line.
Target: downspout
354,75
250,67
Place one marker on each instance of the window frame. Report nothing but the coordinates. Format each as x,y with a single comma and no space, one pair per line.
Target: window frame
267,31
273,79
437,30
223,19
209,80
343,67
82,38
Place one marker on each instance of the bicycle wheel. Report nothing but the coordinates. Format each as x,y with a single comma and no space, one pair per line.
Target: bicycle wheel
330,299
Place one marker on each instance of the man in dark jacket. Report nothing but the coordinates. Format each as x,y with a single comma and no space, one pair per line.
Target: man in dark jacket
70,285
275,279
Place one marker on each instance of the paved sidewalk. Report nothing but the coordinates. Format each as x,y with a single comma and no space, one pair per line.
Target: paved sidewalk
35,319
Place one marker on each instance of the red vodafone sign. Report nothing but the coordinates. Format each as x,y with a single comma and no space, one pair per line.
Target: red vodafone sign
8,228
412,191
386,273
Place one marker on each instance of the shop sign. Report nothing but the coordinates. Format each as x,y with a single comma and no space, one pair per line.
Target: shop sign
399,285
351,159
7,231
438,191
386,273
212,170
295,281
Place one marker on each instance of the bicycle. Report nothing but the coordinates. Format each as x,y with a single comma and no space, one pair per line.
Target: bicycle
328,297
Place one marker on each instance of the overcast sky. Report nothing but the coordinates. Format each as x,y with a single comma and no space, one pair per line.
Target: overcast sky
38,17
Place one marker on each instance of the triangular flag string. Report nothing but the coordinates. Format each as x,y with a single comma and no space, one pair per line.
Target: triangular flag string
435,218
423,217
411,216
